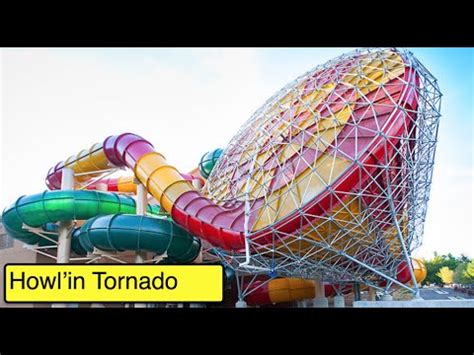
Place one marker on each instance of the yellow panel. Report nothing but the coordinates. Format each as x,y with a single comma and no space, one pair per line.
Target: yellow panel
292,200
282,202
420,270
92,159
317,96
127,184
147,164
163,181
175,190
391,234
342,218
290,289
370,74
98,158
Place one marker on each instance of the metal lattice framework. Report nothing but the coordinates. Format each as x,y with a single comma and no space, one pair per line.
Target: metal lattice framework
338,166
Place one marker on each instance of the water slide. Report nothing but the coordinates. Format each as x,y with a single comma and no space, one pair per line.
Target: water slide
126,184
111,224
280,290
344,158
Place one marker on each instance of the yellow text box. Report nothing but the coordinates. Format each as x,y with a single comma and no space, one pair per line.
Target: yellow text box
113,283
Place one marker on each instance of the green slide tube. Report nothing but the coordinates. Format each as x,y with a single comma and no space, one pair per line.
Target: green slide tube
132,232
54,206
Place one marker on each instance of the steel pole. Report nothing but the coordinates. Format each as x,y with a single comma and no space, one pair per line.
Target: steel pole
142,202
64,231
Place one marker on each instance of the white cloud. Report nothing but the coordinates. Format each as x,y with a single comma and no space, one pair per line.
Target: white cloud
56,102
448,226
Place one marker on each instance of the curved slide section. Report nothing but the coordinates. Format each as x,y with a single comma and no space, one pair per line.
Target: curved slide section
196,214
290,289
122,232
150,234
208,161
91,163
281,290
53,206
124,184
419,269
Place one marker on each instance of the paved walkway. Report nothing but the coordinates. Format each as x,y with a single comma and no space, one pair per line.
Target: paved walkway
439,293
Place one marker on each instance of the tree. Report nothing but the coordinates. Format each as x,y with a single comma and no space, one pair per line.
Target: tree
446,275
459,276
450,261
464,273
470,270
463,259
434,265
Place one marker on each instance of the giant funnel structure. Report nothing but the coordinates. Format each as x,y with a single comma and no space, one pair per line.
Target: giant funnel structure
330,178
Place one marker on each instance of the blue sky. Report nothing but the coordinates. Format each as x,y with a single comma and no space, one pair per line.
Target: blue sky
191,100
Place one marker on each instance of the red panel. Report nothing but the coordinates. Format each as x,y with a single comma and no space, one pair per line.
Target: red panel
260,296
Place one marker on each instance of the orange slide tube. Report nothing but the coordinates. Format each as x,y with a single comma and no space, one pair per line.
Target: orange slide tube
281,290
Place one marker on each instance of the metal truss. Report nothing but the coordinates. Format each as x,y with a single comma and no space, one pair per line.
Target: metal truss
371,228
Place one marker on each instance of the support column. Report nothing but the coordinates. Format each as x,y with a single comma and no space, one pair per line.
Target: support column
416,289
301,304
321,300
100,187
387,297
417,295
199,259
241,304
356,288
339,302
142,203
372,294
64,231
197,183
65,227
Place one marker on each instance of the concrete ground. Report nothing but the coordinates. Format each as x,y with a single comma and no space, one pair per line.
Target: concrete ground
432,297
443,293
